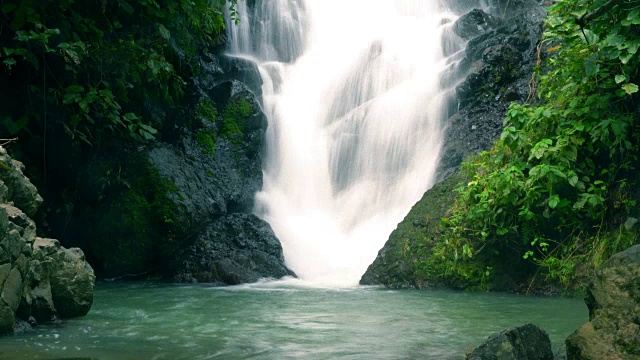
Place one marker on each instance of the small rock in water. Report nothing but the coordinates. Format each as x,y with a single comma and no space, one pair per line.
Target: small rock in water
525,342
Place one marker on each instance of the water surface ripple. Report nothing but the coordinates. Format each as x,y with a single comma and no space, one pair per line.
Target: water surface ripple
284,321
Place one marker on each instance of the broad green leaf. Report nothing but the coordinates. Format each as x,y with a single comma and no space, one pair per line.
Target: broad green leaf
126,7
633,18
130,116
9,62
591,66
625,58
149,129
630,88
164,32
620,79
591,37
573,180
614,40
70,98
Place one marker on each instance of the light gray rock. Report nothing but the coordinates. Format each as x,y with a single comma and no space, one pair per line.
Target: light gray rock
12,290
71,277
34,285
613,299
20,190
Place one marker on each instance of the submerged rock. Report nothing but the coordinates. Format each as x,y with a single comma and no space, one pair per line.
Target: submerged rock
525,342
613,299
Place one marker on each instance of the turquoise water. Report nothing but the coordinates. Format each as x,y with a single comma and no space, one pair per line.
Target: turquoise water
280,321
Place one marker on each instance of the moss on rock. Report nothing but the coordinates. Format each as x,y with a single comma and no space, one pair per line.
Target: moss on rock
234,118
405,261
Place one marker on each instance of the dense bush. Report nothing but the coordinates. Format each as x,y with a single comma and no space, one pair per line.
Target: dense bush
92,63
552,191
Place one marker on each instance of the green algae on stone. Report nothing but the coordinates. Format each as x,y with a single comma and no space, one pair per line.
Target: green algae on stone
234,118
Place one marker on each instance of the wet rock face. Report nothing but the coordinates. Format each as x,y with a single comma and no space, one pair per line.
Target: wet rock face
238,248
37,281
613,299
526,342
497,67
474,23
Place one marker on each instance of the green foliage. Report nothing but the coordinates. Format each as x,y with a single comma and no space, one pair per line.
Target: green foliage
96,63
206,110
546,184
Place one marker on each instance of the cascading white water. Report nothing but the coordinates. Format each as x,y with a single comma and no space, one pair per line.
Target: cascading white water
352,90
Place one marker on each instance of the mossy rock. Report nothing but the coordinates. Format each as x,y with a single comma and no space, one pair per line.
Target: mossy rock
404,260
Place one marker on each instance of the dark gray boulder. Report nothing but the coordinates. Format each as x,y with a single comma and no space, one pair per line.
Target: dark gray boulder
238,248
525,342
613,299
474,23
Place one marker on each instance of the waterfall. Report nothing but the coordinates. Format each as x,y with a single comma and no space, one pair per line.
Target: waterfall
355,93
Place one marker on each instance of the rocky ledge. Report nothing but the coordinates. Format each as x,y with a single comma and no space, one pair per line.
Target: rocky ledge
39,279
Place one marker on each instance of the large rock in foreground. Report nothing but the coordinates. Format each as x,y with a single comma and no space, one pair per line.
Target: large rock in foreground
526,342
39,279
236,249
71,278
613,299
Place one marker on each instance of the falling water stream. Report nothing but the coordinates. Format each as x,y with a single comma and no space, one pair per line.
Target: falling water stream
355,94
